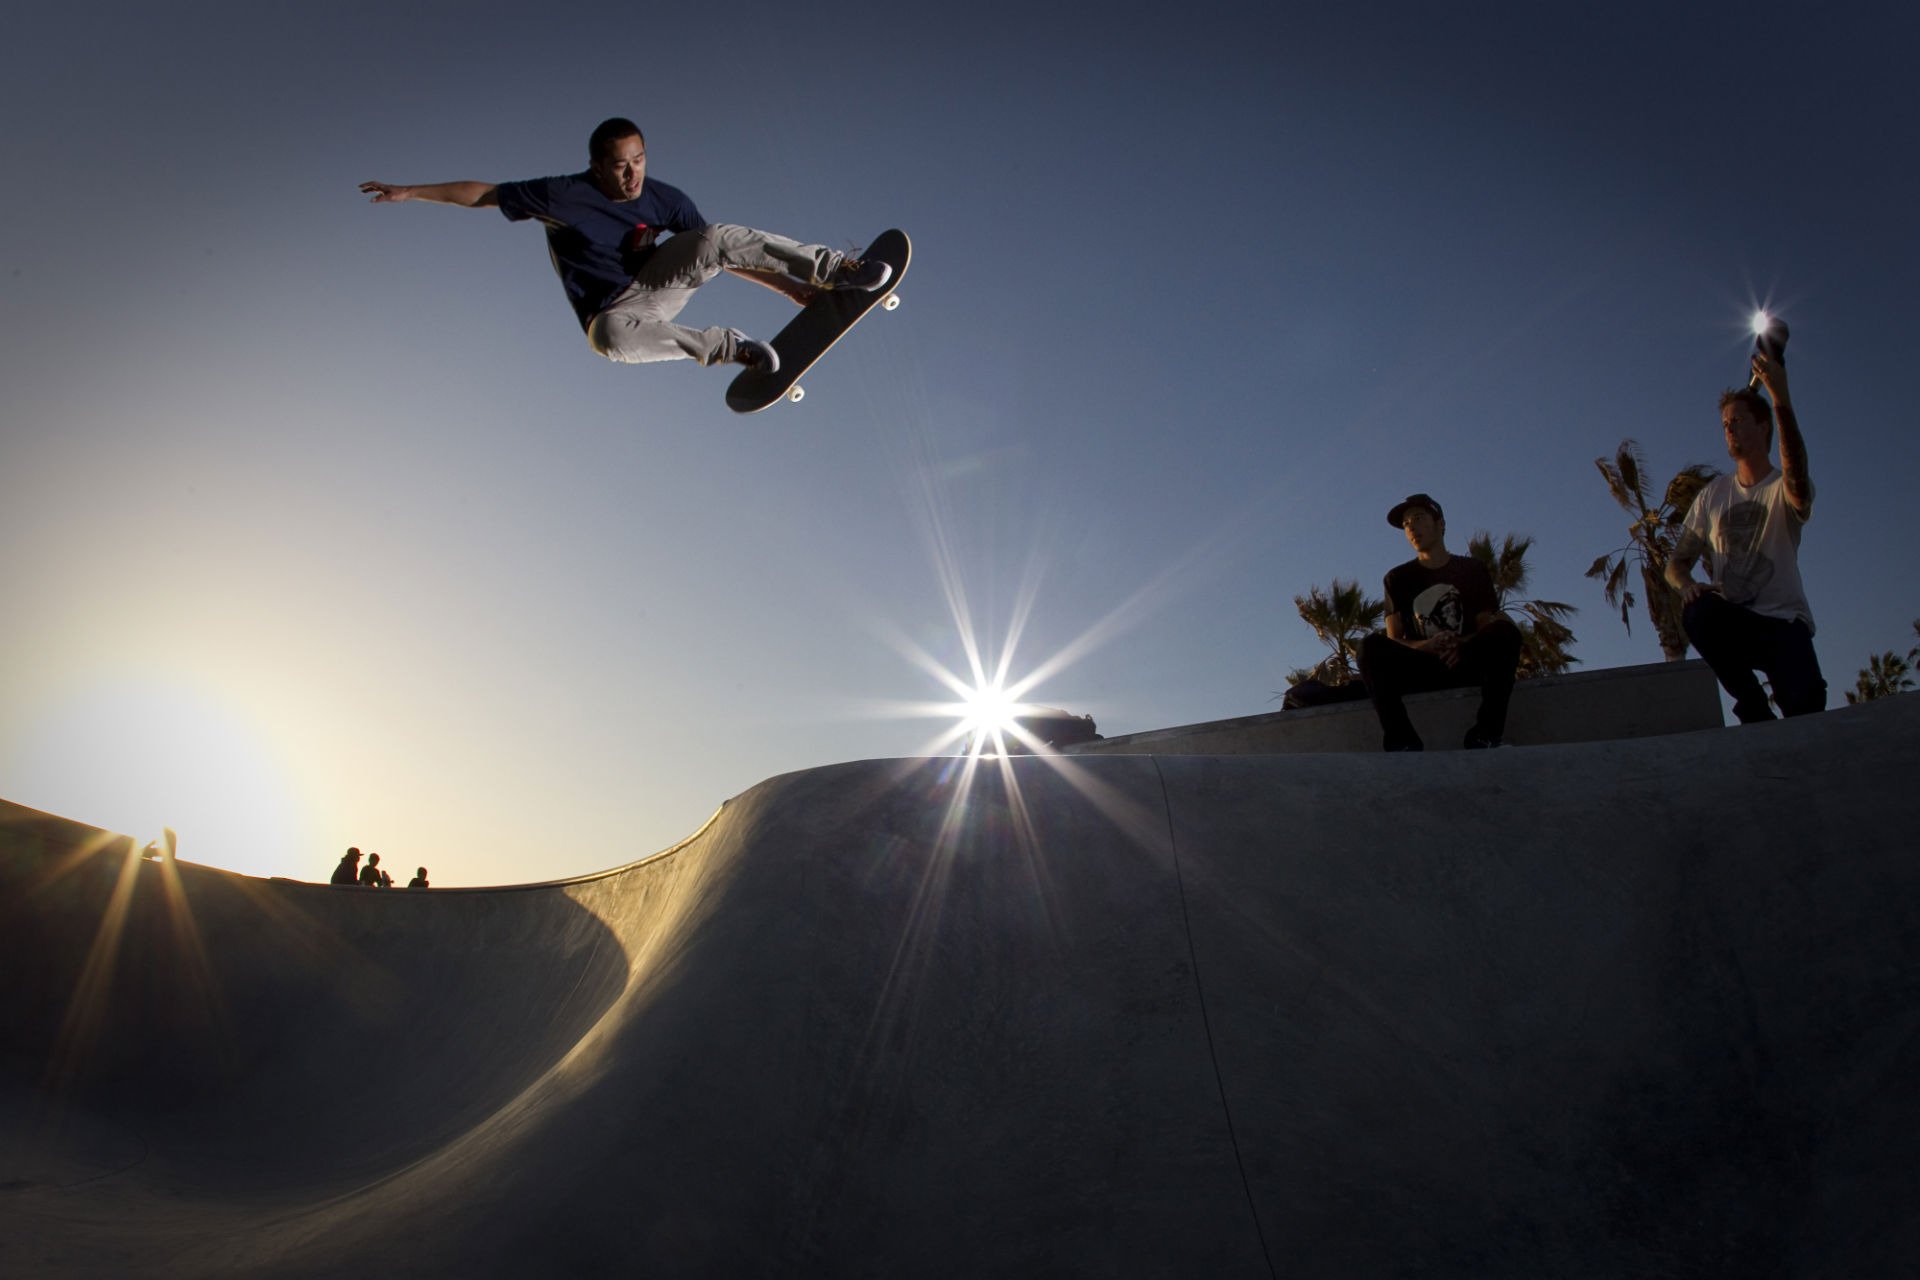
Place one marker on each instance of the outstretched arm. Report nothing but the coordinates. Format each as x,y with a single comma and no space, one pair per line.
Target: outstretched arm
468,195
1794,476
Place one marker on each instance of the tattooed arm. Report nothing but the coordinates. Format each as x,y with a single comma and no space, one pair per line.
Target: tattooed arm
1794,476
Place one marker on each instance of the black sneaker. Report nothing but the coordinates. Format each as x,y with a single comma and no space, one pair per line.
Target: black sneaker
1477,741
864,275
754,354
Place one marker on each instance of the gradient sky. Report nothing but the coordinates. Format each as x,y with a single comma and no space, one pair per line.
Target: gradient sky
324,526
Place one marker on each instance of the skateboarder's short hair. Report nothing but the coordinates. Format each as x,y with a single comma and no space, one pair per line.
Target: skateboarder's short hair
608,132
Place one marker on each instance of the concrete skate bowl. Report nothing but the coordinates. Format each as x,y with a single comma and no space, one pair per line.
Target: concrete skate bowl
1611,1009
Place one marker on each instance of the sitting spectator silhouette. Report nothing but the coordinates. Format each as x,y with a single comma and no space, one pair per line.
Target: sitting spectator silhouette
348,872
419,880
1444,630
372,877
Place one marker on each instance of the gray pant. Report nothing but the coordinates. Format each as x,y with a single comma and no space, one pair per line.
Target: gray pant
636,327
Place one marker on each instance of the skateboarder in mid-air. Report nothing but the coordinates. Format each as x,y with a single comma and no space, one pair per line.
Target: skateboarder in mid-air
627,284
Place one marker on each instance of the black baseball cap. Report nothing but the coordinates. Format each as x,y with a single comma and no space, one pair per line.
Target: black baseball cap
1398,515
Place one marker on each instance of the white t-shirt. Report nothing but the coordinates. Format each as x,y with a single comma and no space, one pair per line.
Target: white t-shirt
1753,544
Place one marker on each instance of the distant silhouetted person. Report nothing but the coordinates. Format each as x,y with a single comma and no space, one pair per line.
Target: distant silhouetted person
372,877
348,872
419,880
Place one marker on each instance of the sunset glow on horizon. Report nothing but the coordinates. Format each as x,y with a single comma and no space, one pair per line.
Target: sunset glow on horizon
134,755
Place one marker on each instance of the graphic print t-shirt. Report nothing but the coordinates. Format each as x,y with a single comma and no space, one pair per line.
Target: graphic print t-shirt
1429,601
1752,538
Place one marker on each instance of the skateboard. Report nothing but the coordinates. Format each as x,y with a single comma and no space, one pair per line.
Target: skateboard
820,324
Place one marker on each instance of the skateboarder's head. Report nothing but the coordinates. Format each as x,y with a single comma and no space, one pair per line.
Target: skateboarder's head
1422,519
617,158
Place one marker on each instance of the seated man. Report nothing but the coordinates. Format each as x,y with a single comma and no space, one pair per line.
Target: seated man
1753,615
1444,631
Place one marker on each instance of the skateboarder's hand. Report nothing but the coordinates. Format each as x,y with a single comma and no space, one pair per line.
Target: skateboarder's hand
1445,645
386,192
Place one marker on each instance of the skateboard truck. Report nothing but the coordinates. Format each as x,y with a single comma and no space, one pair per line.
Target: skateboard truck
798,393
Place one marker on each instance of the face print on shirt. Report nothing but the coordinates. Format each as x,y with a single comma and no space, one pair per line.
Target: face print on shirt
1438,609
1748,569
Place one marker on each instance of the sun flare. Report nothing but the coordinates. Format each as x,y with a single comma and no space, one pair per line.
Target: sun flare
136,755
989,709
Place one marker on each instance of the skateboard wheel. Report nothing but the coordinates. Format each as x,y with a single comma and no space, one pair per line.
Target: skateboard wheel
797,394
893,300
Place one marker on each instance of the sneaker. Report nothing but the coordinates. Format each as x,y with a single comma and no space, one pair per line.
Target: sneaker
756,355
1477,741
865,275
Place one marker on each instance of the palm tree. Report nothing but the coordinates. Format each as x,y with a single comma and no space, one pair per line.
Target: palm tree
1886,673
1544,634
1650,541
1341,616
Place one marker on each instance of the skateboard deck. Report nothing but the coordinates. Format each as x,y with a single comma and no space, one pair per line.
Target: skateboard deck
820,324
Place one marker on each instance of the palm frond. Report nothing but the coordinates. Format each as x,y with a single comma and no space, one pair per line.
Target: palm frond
1617,581
1550,609
1628,462
1616,485
1684,488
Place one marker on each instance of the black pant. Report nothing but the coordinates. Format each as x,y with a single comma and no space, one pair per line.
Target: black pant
1736,642
1488,658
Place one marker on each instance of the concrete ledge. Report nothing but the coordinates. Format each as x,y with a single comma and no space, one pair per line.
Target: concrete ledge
1587,706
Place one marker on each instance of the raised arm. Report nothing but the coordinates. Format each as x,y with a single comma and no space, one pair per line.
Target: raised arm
1794,476
468,195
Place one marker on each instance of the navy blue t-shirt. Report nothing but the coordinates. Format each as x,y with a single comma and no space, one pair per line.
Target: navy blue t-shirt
597,243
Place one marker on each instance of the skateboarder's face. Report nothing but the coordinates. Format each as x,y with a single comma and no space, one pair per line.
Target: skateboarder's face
622,168
1422,529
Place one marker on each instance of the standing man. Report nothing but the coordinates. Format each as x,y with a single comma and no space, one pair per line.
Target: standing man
624,283
1444,631
1752,613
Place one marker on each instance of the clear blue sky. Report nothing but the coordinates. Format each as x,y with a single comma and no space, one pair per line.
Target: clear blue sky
323,525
